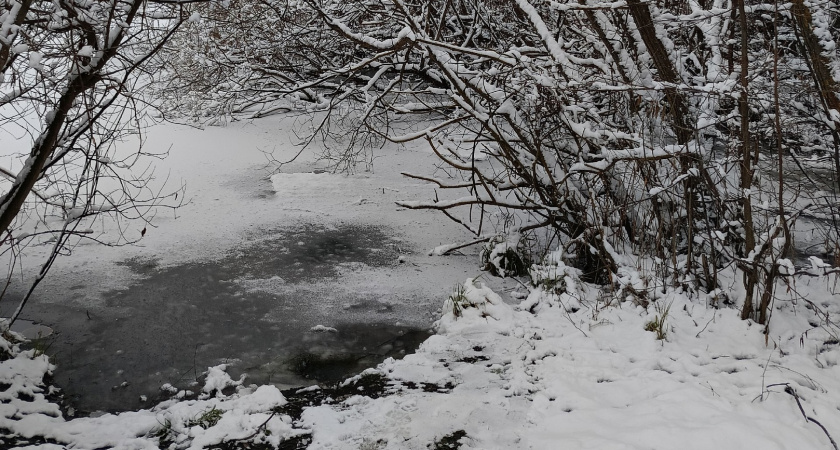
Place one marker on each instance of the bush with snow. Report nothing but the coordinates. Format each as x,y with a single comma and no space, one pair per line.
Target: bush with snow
503,256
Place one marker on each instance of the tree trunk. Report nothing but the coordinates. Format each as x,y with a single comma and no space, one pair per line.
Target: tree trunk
827,87
676,101
7,41
745,165
682,122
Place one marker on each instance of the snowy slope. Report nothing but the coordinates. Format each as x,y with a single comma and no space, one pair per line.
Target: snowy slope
596,379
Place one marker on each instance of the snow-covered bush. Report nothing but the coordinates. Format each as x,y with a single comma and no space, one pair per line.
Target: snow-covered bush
503,256
554,284
470,304
553,275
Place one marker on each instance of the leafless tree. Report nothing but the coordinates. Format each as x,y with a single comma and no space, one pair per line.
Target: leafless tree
70,73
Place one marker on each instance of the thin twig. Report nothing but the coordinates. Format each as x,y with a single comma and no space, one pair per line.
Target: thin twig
707,325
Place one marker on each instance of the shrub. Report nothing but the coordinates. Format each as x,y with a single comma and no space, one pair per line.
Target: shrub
502,256
657,325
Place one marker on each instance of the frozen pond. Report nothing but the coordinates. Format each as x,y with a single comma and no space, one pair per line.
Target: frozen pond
254,308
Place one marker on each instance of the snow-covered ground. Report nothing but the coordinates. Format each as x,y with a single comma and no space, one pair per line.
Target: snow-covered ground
542,369
596,379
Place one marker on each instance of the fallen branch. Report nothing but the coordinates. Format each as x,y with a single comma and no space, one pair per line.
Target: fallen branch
793,394
443,250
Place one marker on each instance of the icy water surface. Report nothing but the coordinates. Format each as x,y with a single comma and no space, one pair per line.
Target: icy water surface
255,309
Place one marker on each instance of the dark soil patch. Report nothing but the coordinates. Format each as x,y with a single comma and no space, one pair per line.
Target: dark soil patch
451,441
